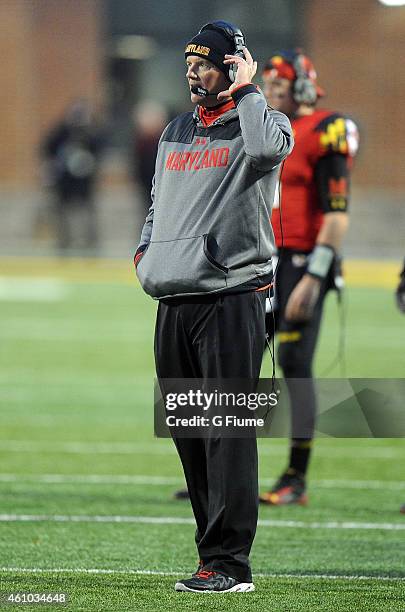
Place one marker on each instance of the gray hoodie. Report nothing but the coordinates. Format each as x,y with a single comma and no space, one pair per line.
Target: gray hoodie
208,229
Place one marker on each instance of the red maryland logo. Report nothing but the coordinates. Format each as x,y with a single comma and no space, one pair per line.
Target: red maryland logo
197,160
338,186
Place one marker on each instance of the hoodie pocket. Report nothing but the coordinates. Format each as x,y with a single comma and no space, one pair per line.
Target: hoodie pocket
213,253
182,267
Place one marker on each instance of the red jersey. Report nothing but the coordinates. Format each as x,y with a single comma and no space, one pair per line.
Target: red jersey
316,136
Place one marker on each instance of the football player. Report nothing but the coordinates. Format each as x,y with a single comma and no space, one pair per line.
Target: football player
309,228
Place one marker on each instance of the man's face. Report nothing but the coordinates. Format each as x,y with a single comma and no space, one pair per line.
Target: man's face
278,93
202,73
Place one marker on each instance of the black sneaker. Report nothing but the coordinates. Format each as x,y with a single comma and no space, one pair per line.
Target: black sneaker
212,582
181,494
289,489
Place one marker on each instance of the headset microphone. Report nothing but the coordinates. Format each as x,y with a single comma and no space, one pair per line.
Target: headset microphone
201,91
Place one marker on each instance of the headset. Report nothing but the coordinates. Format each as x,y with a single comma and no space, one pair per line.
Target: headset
304,89
233,33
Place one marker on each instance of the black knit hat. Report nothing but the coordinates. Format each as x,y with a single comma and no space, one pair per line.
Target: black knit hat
213,46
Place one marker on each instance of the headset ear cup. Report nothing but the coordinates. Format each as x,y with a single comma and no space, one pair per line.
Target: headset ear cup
233,68
298,90
304,91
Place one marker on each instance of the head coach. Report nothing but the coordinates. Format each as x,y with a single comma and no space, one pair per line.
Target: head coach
205,254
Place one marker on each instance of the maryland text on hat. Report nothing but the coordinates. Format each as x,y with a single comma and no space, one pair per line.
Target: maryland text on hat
197,49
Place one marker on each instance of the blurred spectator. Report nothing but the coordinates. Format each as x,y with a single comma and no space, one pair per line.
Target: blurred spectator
149,119
400,295
72,151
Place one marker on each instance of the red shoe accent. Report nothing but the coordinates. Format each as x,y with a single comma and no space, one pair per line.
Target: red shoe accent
205,575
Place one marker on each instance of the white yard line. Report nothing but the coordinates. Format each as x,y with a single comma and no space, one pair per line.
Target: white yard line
83,518
27,289
177,520
144,479
54,376
109,448
142,572
93,479
72,335
160,448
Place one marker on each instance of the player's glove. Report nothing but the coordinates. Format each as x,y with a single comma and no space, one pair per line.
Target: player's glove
400,292
320,261
326,263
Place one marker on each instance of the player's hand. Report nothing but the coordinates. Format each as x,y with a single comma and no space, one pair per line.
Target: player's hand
246,70
400,295
301,303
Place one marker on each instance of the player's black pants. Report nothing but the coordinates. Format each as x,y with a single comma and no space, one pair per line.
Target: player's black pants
297,342
217,337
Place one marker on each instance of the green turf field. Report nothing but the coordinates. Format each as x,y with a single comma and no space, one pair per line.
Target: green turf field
86,491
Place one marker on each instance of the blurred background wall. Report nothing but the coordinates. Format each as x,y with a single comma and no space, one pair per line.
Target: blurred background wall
52,53
118,53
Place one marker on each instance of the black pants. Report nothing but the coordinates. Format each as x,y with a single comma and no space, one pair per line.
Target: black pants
217,337
297,342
